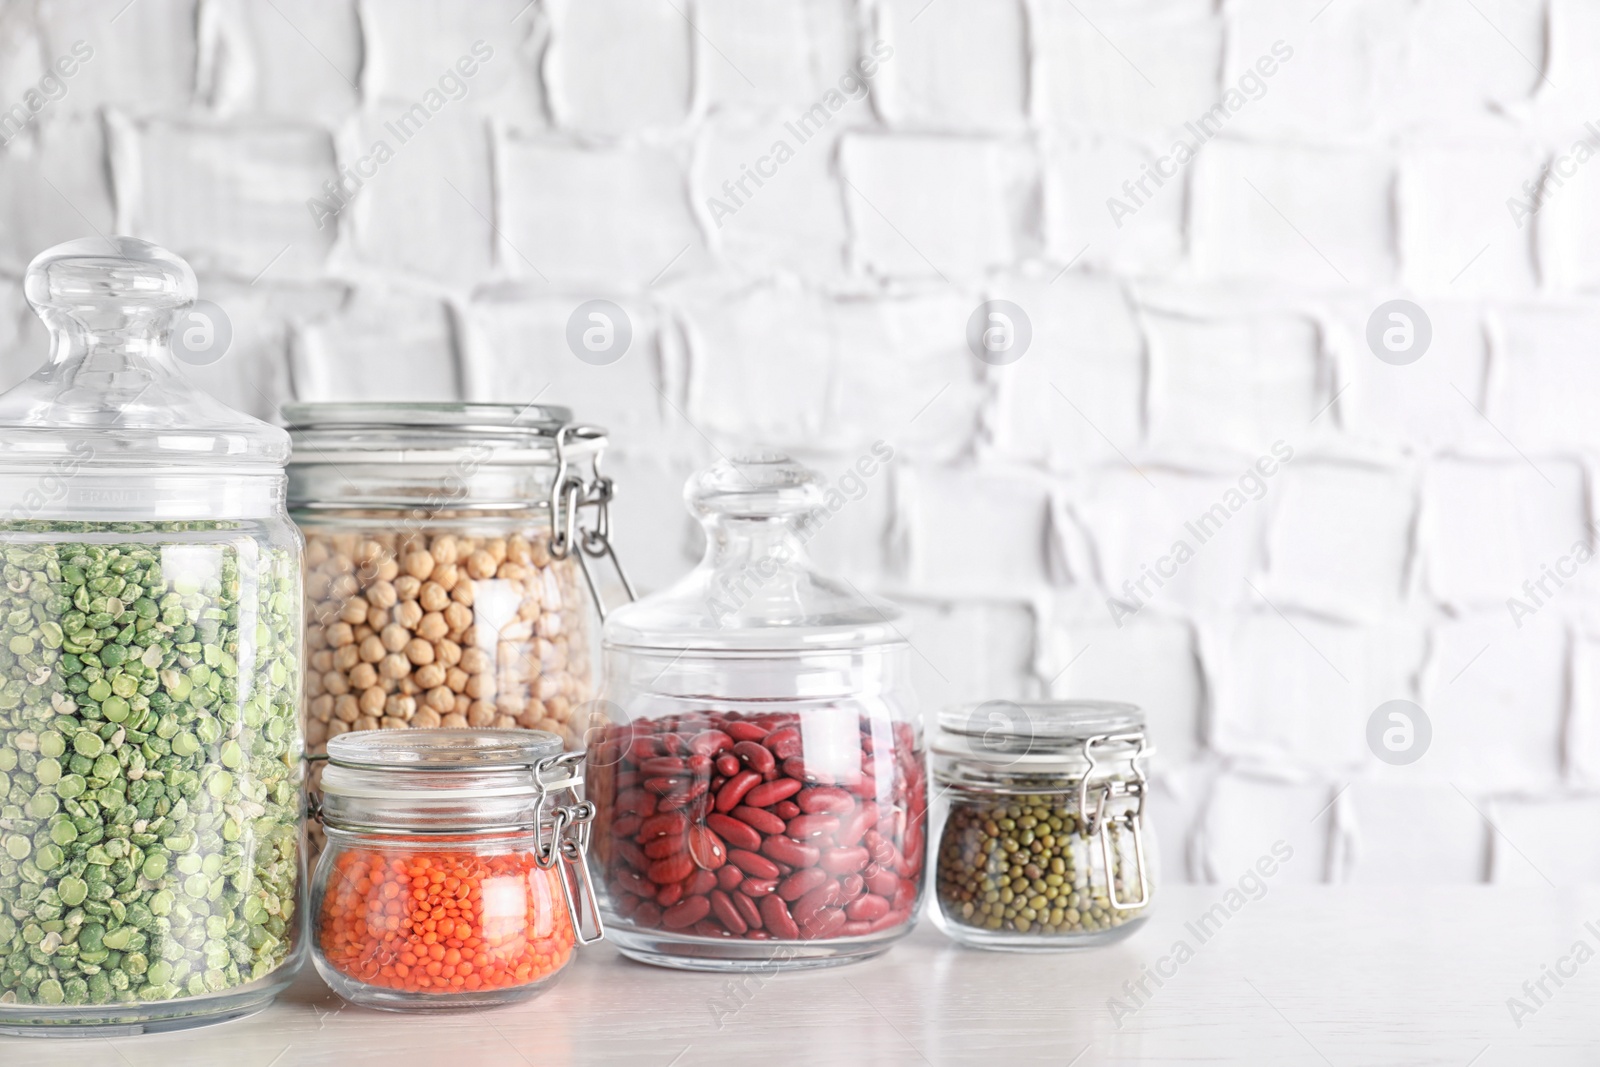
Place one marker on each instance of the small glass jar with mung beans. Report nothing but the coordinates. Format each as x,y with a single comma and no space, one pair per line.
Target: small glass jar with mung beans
446,567
1040,840
455,874
150,743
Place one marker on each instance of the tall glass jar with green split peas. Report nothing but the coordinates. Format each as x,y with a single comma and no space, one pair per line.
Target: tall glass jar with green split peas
150,747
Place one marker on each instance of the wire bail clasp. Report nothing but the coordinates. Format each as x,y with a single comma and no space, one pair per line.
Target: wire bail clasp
569,494
1095,822
568,843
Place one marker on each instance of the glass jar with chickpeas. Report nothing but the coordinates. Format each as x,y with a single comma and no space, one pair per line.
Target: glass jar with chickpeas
446,584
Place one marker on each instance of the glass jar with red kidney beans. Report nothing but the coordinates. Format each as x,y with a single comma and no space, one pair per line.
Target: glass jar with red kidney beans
760,790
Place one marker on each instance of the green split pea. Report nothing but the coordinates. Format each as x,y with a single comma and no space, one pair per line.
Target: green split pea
149,763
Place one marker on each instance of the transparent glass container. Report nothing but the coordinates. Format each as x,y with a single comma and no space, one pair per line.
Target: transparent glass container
761,798
438,591
1040,840
455,874
150,742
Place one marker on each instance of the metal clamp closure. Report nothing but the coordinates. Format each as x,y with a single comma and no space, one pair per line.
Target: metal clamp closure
569,494
1095,822
568,842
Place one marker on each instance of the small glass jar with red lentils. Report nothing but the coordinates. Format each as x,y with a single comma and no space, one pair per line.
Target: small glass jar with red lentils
456,873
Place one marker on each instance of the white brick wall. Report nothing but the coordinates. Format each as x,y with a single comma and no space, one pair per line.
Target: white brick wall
965,150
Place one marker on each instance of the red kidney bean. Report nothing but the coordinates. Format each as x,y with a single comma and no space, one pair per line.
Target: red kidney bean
804,826
770,793
626,904
786,809
827,798
626,826
628,779
736,832
668,895
764,821
745,731
855,929
785,743
710,742
806,908
686,912
891,920
707,849
700,883
905,895
635,883
732,795
852,886
857,823
745,905
801,882
867,908
631,854
866,788
758,887
635,802
823,925
672,743
776,918
709,927
642,749
672,869
728,765
729,877
727,914
699,765
751,863
880,881
660,848
648,913
670,823
844,860
756,757
787,850
663,785
663,766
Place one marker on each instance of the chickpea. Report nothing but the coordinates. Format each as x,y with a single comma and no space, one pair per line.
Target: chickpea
454,721
480,564
340,633
408,613
462,594
432,597
334,682
354,610
458,617
399,707
395,636
406,587
441,699
448,652
474,660
419,652
365,722
426,718
346,709
371,701
444,550
430,677
363,676
394,666
480,715
419,564
388,570
322,708
377,619
372,649
446,576
346,657
432,626
456,679
381,594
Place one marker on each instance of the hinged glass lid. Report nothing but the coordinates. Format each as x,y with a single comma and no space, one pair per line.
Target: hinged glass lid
111,395
757,588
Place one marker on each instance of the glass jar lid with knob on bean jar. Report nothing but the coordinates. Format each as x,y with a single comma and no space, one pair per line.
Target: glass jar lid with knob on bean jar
456,871
150,744
1040,837
761,797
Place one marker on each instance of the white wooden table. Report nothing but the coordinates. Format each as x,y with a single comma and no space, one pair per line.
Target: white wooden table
1304,975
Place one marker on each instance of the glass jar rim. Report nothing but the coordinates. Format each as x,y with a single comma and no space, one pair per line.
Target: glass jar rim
425,431
431,767
1042,722
442,749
